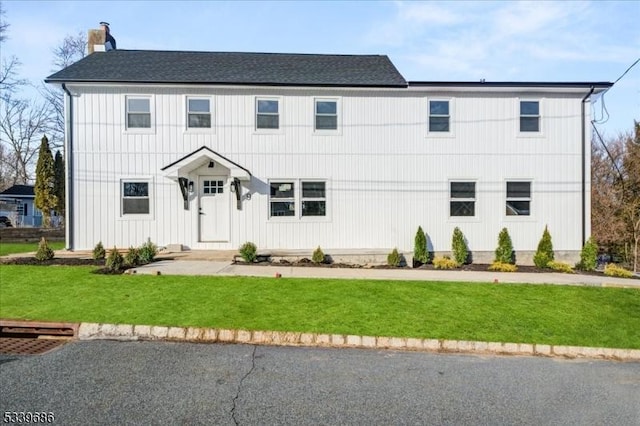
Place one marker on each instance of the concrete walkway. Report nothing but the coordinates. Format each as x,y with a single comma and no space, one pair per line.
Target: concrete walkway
226,268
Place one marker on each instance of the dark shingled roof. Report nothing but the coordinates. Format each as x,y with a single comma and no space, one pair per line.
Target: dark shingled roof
274,69
24,190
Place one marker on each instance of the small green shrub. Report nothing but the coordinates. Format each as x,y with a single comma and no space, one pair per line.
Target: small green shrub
588,256
613,270
99,252
459,247
249,252
560,267
504,252
444,263
544,253
44,251
114,261
132,258
420,252
394,258
498,266
147,252
318,256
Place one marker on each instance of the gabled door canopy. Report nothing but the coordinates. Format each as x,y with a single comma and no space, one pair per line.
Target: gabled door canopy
199,157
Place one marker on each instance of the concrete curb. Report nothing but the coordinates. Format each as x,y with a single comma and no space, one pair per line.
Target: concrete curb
93,331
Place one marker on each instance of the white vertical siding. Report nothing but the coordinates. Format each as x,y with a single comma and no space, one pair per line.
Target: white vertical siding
385,173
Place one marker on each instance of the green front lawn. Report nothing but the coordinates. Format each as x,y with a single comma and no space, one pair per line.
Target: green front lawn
581,316
11,248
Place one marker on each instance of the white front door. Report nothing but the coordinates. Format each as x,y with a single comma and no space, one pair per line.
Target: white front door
214,208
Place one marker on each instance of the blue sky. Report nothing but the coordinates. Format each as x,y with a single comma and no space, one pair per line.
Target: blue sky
427,41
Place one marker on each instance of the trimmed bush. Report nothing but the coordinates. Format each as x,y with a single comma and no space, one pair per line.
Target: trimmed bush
99,252
444,263
498,266
613,270
249,252
589,256
420,252
394,258
504,252
44,251
147,252
132,258
318,256
560,267
114,261
544,253
459,247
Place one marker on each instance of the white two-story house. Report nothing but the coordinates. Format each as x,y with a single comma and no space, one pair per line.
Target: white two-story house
292,151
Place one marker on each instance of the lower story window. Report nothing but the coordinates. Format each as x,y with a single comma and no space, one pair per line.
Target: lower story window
314,199
518,199
297,198
135,197
462,201
282,201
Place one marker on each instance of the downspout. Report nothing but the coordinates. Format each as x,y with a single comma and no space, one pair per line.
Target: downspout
584,166
68,154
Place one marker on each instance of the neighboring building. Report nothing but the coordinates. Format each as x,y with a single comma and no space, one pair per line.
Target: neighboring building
17,203
210,150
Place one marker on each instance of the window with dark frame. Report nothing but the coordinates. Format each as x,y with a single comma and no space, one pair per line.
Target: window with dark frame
198,113
267,114
135,197
138,113
518,198
439,116
529,116
462,200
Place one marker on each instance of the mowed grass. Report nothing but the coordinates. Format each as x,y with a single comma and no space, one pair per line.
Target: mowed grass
11,248
581,316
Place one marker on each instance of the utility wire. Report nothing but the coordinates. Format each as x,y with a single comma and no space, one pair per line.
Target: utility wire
628,69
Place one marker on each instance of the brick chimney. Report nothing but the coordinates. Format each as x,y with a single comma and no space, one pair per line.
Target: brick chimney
101,40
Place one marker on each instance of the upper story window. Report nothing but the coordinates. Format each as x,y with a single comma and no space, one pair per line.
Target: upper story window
518,198
138,112
267,114
326,114
439,116
462,200
135,197
198,113
529,116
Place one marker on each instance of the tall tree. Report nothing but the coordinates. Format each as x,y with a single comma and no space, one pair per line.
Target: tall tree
615,190
70,50
59,183
46,199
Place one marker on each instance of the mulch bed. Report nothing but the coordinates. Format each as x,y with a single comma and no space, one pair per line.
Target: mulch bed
63,261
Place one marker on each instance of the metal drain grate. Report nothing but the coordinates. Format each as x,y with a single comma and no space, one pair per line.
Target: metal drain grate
21,346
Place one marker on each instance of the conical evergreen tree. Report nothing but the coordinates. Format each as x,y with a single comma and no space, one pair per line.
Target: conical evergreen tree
59,183
504,252
544,254
46,199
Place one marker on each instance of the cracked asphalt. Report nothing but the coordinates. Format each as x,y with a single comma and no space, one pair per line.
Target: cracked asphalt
131,383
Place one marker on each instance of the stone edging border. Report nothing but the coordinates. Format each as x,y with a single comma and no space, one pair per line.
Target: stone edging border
93,331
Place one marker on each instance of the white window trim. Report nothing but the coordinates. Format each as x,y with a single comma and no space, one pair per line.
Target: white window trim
297,199
338,129
140,130
212,113
144,216
451,132
540,132
476,216
530,217
280,115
